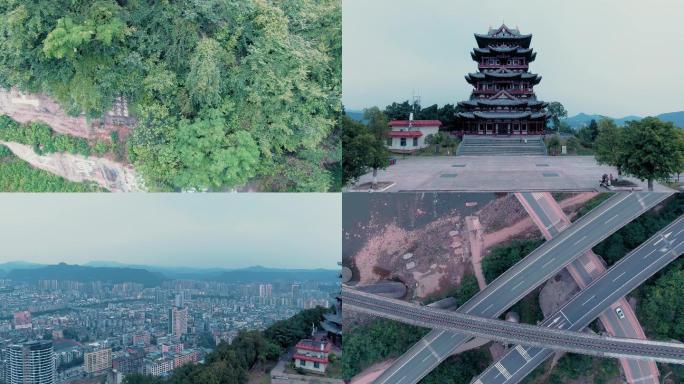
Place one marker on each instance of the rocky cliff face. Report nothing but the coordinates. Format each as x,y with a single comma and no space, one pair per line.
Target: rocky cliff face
24,108
111,175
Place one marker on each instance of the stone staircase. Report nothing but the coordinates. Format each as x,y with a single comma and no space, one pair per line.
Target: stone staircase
474,145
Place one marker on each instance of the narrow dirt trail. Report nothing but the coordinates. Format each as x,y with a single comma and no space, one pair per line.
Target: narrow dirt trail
106,173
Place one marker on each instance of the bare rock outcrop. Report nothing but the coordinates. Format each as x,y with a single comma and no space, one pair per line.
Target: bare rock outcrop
108,174
26,107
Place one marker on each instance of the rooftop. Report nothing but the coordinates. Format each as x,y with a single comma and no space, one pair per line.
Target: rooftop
314,345
415,123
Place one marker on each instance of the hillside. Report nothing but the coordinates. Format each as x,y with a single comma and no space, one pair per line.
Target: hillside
85,274
582,119
261,274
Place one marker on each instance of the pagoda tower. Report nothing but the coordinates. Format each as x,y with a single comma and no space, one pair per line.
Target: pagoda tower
503,100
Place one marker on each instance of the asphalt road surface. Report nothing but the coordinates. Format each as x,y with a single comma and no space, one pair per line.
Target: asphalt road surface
521,279
627,274
526,334
551,220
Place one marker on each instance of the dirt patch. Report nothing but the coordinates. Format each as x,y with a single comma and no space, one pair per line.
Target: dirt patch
27,107
501,213
428,260
556,292
108,174
371,373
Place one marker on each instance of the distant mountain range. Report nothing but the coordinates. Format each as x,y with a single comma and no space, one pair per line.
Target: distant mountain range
257,274
80,273
154,275
582,119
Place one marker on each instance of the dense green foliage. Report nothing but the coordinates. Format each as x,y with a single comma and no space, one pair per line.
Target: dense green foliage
442,139
230,363
633,234
227,93
18,176
503,257
574,366
459,369
41,137
649,149
375,341
363,150
382,339
556,112
401,111
662,309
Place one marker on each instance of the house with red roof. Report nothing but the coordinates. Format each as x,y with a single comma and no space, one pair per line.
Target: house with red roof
312,355
409,135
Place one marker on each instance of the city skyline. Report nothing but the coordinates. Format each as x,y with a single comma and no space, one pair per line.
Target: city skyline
201,231
589,62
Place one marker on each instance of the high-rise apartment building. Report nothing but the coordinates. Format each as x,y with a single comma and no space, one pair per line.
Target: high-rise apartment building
178,321
32,363
98,359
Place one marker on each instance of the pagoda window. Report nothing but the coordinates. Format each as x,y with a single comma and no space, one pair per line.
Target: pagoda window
403,142
415,141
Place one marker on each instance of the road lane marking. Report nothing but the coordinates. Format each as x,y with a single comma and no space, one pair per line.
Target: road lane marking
580,240
523,352
503,370
619,276
589,299
609,220
431,350
490,305
427,357
517,285
548,262
599,211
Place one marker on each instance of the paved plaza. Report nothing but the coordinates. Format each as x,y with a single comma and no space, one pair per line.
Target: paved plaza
497,173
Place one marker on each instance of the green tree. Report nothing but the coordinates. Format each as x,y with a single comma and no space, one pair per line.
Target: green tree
663,306
589,133
362,150
609,145
655,148
204,82
379,128
556,112
553,145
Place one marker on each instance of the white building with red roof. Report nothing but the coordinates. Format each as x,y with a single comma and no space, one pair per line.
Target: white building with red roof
312,355
409,135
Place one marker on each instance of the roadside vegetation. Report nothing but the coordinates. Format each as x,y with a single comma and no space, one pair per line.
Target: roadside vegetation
228,94
382,339
649,149
639,230
503,257
18,176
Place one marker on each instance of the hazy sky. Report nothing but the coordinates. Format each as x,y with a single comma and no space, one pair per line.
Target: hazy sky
200,230
612,57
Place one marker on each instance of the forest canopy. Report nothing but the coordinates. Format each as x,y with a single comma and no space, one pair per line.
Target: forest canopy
228,93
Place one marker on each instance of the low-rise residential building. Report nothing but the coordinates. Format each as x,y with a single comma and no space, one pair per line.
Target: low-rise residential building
312,355
409,135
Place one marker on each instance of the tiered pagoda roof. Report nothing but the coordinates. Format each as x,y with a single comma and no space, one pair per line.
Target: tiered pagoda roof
527,53
502,73
503,35
503,100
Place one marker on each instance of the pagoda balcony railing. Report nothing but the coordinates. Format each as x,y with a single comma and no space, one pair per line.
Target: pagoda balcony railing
506,66
511,91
